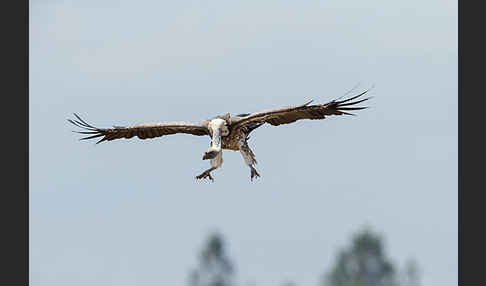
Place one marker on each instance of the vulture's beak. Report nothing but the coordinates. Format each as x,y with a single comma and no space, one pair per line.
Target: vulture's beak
209,155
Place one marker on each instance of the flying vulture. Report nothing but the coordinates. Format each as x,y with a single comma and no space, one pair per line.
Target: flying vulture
226,132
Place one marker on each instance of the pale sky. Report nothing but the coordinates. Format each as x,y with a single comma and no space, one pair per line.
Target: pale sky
129,212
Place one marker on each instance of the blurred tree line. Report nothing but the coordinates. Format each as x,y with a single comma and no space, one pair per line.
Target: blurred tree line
362,263
215,268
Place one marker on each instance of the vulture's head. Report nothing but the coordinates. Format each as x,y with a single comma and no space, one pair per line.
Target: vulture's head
211,153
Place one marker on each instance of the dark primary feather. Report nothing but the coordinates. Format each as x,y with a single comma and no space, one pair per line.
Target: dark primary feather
142,131
285,115
248,128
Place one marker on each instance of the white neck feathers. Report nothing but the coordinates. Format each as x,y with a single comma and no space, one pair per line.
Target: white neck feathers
216,125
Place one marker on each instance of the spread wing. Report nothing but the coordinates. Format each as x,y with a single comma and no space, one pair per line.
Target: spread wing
285,115
142,131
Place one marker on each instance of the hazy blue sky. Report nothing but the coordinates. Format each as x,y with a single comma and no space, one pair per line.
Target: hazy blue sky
129,212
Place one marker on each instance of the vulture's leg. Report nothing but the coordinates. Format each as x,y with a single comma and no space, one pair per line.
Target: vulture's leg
215,163
249,158
206,174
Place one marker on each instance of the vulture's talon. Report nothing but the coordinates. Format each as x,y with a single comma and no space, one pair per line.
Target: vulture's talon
205,175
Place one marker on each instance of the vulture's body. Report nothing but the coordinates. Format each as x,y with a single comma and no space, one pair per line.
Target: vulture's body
226,132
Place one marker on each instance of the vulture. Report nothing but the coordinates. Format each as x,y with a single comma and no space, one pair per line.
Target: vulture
225,131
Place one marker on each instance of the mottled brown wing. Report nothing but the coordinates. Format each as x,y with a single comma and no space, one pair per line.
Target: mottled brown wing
285,115
142,131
